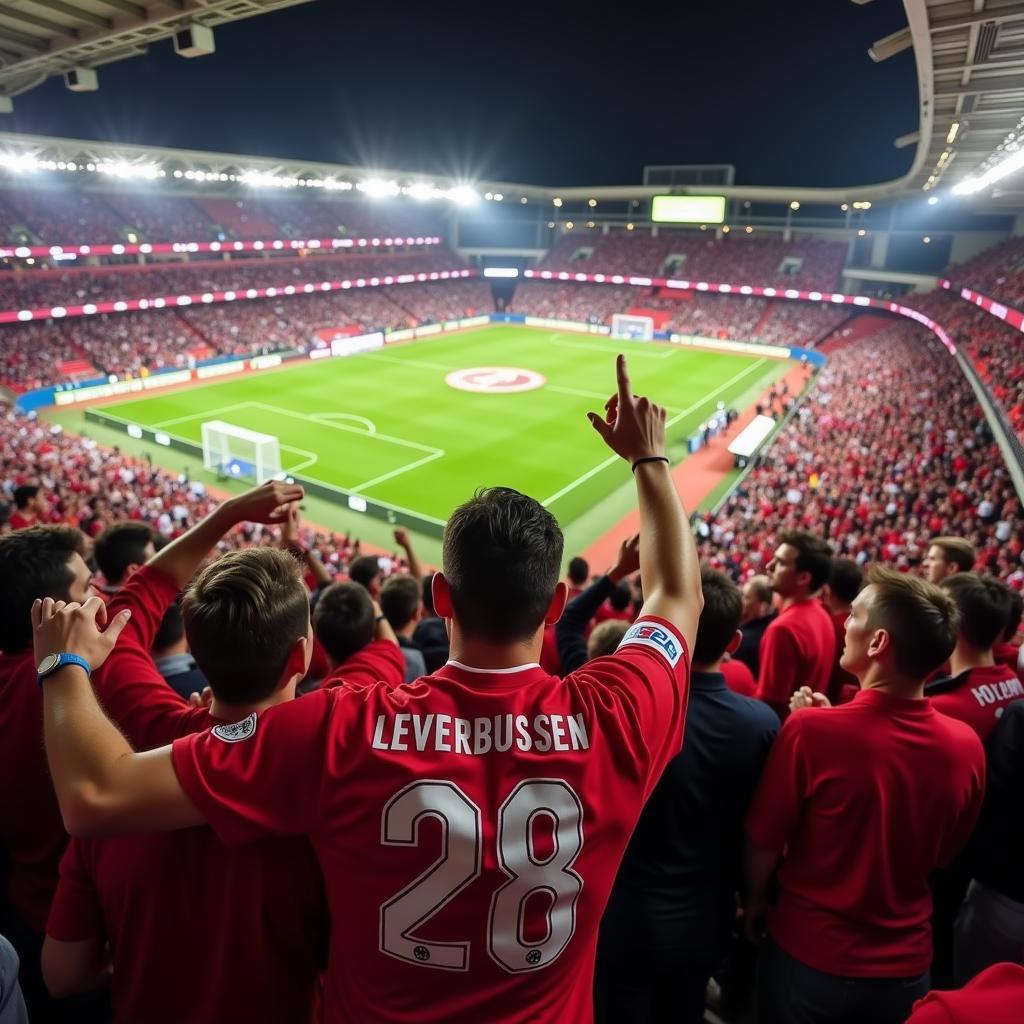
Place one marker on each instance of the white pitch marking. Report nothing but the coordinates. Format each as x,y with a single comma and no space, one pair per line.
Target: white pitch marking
206,414
359,488
423,364
371,427
605,349
675,419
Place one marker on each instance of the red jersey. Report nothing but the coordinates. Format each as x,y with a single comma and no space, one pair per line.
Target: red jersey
469,824
17,521
866,799
606,612
798,649
977,696
996,996
31,828
180,895
738,677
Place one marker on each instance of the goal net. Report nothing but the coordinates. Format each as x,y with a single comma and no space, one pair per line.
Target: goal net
626,326
235,451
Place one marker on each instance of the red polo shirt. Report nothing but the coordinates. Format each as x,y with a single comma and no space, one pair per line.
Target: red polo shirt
198,931
798,649
996,996
977,696
31,828
866,799
738,677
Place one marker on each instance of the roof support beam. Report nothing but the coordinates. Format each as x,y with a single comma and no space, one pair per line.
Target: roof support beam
44,23
79,14
126,7
1011,12
982,86
20,41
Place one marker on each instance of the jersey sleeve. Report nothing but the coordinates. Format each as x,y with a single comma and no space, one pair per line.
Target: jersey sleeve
265,775
777,675
380,661
129,685
644,687
775,810
76,913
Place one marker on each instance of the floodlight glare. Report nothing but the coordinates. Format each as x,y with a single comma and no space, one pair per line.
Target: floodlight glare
462,195
671,209
998,171
378,188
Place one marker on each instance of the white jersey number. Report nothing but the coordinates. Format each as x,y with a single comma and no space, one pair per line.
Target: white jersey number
550,878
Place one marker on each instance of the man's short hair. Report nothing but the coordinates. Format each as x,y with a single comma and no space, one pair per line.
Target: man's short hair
845,579
343,619
119,546
24,494
605,637
427,593
364,569
502,553
1016,614
984,606
33,563
243,614
578,571
761,588
921,618
956,550
400,600
171,629
814,556
719,618
621,596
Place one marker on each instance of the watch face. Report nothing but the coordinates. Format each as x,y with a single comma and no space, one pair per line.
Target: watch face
48,664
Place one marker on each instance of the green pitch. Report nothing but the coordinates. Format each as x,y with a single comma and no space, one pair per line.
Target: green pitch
387,426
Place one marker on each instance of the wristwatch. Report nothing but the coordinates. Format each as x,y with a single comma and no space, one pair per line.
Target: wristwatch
52,662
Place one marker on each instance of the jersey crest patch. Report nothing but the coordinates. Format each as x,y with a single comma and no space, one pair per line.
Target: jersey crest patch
237,731
650,634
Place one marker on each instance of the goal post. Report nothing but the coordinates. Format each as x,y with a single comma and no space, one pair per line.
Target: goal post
624,325
229,450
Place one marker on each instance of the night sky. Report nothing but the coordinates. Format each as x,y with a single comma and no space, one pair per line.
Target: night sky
550,94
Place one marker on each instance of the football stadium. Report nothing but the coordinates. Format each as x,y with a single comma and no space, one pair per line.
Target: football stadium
484,538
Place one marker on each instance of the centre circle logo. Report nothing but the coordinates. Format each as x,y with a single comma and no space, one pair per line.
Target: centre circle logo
495,380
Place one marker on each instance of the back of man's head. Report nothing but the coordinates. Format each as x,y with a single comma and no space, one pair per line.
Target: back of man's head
845,580
920,618
243,615
719,618
757,597
24,495
502,554
121,546
621,596
343,620
605,637
427,594
365,570
400,600
814,556
35,562
578,571
984,605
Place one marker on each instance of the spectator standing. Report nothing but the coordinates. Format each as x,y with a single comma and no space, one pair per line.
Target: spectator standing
758,614
28,505
798,647
857,805
672,910
946,556
845,579
120,550
400,605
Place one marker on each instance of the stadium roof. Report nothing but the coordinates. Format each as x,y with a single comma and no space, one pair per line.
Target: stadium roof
41,38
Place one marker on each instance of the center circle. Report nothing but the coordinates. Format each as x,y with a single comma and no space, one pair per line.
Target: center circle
495,380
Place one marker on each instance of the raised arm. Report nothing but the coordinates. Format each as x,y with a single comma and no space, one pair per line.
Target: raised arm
402,540
102,786
634,428
291,541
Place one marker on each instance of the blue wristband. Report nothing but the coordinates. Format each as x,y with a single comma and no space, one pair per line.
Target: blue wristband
52,662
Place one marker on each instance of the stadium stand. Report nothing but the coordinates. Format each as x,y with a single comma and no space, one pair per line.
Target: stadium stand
997,272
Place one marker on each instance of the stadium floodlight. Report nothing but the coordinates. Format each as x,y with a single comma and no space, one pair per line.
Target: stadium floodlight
932,200
891,45
125,169
378,188
462,195
20,163
954,128
500,272
1012,162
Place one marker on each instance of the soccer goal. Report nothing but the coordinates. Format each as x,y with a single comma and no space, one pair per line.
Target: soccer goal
637,327
235,451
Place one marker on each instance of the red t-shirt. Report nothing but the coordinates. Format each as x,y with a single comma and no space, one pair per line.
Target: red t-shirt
866,799
996,996
798,649
246,927
1006,654
977,696
17,521
738,677
481,815
31,828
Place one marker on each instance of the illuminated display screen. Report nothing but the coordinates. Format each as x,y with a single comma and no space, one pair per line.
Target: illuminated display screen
688,209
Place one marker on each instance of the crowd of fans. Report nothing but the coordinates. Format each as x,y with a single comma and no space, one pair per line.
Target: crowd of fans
57,216
809,264
766,832
997,272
